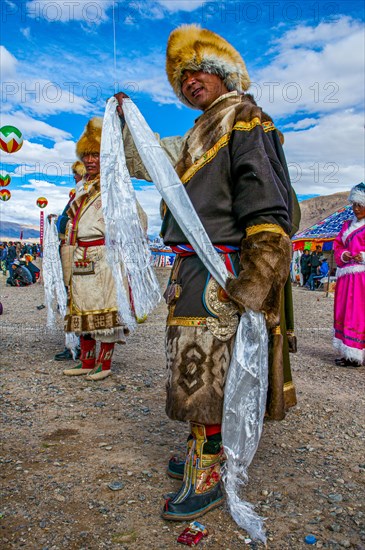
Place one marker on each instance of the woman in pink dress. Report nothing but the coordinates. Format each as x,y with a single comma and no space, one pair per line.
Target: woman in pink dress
349,314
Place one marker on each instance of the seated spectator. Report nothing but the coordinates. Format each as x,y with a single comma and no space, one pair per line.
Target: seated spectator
35,271
322,271
20,276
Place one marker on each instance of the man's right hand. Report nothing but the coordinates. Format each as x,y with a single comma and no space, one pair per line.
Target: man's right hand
120,96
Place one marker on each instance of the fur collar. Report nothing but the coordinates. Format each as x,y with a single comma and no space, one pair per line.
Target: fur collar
217,121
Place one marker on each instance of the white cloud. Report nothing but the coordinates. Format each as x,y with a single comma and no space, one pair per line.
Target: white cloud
8,63
182,5
32,127
26,32
40,96
147,75
22,208
90,12
320,35
43,97
328,157
35,158
301,124
94,12
306,78
7,173
150,199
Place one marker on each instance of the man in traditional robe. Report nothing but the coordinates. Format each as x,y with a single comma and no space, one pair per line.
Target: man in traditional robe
92,310
234,171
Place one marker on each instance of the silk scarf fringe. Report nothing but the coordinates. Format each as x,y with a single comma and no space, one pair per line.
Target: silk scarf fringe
127,250
54,287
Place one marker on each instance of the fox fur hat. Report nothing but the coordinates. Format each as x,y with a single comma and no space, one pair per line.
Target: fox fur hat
90,140
357,194
78,167
192,48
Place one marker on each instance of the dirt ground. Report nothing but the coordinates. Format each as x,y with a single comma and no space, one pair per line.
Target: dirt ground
64,441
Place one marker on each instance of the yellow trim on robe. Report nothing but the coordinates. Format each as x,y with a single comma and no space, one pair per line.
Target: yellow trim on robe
272,227
290,398
204,159
75,311
184,321
222,142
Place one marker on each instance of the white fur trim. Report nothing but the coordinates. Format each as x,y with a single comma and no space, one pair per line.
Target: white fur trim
355,224
353,354
357,196
341,271
342,258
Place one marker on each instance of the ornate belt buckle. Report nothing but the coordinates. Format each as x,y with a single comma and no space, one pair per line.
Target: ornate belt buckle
224,325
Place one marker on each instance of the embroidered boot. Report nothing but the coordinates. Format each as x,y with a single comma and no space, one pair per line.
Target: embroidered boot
87,358
103,364
201,490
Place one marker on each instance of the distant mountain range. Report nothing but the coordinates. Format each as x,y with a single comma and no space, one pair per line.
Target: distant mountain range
11,231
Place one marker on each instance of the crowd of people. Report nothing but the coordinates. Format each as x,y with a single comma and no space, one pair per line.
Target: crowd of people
234,170
17,261
313,267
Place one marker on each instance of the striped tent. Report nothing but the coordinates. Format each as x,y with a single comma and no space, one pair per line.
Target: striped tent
324,232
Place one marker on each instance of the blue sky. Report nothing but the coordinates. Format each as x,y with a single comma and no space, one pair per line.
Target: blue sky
305,60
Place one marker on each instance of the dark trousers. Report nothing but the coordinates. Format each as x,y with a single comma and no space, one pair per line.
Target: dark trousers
305,276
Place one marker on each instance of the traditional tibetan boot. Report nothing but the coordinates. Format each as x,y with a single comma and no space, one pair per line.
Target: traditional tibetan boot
201,490
103,363
87,358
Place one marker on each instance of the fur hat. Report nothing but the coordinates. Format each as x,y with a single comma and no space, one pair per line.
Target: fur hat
192,48
78,167
357,194
90,140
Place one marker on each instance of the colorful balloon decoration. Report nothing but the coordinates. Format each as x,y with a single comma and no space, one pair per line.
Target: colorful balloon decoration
5,194
4,180
42,202
11,139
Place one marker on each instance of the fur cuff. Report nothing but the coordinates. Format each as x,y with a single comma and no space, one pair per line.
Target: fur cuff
265,261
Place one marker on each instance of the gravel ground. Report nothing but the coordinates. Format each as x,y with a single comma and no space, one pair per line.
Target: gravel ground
65,440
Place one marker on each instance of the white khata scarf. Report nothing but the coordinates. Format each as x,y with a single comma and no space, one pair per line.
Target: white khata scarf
54,287
126,245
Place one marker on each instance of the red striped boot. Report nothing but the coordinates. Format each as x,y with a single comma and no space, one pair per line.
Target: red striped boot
87,358
103,363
